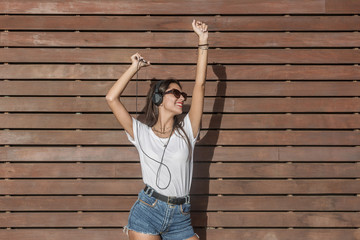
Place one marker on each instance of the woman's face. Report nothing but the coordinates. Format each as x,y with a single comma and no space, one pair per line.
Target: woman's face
171,103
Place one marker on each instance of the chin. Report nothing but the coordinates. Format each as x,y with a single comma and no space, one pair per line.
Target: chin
178,112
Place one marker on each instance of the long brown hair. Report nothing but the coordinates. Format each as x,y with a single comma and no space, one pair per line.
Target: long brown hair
152,111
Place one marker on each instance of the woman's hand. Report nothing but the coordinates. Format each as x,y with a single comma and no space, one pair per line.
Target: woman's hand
200,29
139,61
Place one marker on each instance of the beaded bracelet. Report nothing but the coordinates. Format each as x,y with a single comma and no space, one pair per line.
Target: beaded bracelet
204,46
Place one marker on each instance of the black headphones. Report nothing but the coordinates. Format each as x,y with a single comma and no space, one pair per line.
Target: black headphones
157,97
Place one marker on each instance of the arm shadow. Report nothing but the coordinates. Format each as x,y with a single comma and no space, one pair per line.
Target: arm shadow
204,154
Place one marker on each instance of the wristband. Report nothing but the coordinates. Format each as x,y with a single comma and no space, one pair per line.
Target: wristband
204,47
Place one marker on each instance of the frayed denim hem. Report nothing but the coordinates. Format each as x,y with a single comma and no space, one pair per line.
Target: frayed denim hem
126,231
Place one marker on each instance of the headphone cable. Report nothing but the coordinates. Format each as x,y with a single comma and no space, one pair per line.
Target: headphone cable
137,133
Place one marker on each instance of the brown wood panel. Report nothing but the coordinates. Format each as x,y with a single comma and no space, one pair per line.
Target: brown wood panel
181,23
267,219
227,105
198,203
163,7
261,171
218,121
347,6
181,72
102,187
178,39
210,219
201,154
201,170
283,234
180,56
209,234
220,88
210,137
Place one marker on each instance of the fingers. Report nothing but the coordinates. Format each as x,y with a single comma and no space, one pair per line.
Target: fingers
199,25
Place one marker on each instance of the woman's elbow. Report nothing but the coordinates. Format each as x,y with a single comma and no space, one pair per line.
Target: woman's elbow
110,98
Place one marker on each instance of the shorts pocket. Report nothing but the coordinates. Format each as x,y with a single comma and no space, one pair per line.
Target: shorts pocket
185,208
145,200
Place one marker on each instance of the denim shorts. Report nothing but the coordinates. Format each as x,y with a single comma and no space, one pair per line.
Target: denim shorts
151,216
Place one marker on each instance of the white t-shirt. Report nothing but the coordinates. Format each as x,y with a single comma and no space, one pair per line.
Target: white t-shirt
151,147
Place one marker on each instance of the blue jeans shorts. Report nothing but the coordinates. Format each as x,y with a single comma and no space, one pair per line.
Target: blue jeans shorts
151,216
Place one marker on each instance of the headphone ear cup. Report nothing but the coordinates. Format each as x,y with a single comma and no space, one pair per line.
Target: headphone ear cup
157,99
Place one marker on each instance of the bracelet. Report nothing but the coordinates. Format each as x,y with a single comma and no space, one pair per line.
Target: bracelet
204,47
206,44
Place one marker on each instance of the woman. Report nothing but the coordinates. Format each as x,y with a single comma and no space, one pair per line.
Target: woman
165,144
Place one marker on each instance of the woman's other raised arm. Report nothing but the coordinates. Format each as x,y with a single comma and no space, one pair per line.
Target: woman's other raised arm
197,102
113,96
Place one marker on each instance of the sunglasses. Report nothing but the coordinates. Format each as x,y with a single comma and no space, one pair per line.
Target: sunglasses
177,93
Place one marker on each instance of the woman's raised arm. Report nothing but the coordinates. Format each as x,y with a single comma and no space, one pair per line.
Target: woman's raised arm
113,96
197,102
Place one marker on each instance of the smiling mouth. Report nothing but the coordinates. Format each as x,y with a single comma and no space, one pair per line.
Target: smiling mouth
179,104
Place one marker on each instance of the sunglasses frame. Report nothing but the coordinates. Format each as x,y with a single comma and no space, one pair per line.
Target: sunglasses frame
184,94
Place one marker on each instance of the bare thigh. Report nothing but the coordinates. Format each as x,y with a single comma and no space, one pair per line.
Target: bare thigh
193,238
141,236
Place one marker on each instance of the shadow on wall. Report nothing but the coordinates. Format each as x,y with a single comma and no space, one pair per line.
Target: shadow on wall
204,155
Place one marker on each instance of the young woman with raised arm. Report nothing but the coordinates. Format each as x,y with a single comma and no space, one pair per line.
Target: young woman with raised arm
165,144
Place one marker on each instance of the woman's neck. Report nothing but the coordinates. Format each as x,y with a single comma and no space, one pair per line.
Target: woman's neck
164,124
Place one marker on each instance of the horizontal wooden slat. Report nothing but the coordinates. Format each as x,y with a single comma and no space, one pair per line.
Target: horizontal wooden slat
222,88
218,121
209,234
178,39
226,105
180,56
347,6
164,7
181,23
99,187
201,154
198,203
210,137
201,170
282,234
226,72
211,219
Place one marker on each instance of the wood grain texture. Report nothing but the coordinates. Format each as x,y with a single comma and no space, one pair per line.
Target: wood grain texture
223,219
126,187
279,150
203,170
210,137
209,121
178,39
201,154
219,89
227,105
181,72
198,203
181,56
164,7
210,234
263,23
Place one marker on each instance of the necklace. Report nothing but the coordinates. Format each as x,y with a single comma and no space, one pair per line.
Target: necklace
162,132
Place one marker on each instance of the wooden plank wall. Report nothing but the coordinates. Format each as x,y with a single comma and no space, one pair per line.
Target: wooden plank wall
279,156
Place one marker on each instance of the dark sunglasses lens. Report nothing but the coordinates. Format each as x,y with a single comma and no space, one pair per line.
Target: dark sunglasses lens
184,95
177,94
